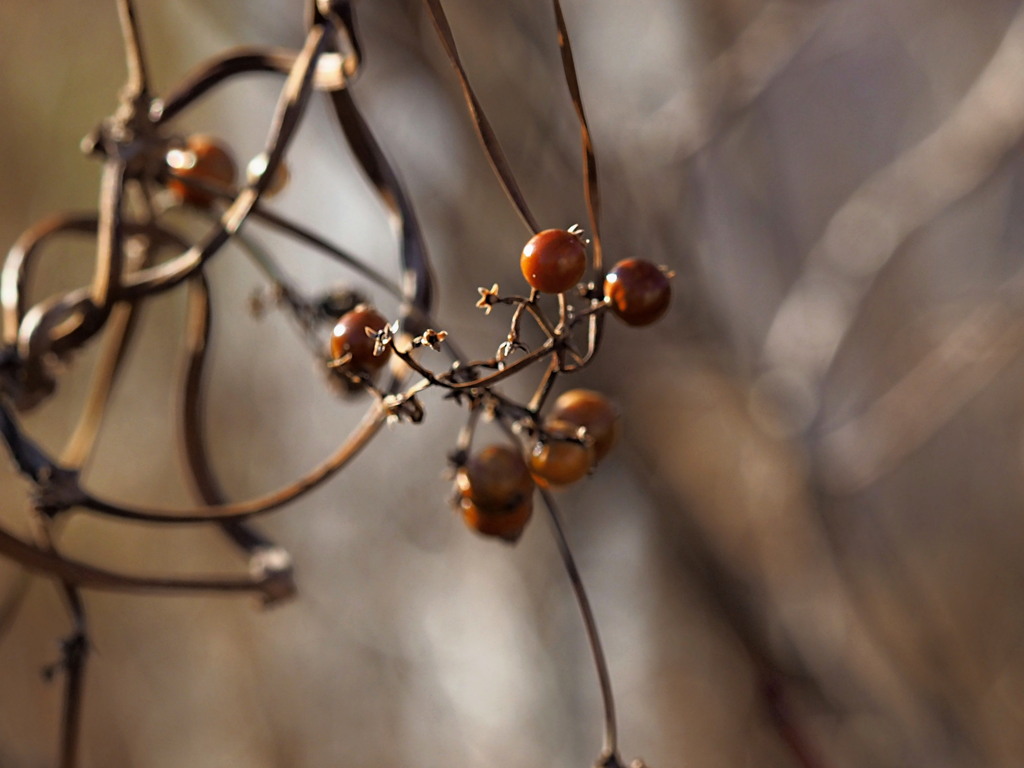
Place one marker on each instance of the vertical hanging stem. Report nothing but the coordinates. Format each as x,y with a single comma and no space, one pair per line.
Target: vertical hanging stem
75,652
590,188
609,751
484,131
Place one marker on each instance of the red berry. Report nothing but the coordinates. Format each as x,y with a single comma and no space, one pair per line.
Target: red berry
559,459
554,260
496,492
638,290
593,411
203,159
349,338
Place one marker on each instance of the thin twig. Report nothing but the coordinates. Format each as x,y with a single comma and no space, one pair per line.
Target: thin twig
138,80
263,555
610,746
89,576
119,333
372,421
74,655
485,132
590,187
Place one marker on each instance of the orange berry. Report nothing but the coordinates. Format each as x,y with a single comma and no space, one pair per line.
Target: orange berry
203,159
592,410
349,338
554,260
558,459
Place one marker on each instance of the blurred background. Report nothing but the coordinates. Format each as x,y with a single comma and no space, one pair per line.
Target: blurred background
804,552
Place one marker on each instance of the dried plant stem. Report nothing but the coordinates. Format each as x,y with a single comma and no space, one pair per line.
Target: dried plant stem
75,653
445,379
484,131
79,446
138,80
299,232
206,485
417,277
544,387
465,438
360,437
590,188
75,648
217,70
133,146
87,576
609,750
193,433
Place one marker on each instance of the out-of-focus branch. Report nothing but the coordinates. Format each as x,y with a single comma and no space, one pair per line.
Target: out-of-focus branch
89,576
861,450
735,78
865,232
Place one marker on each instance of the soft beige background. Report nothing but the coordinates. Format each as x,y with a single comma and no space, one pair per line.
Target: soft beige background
819,488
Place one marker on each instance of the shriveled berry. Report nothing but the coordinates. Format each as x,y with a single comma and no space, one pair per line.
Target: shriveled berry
638,290
559,458
203,159
507,525
350,339
593,411
554,260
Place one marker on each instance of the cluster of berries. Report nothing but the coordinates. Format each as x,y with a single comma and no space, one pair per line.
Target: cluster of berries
495,486
149,171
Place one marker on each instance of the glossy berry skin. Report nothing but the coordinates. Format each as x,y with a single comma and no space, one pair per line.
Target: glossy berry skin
496,492
553,261
592,410
558,459
349,338
638,291
203,159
